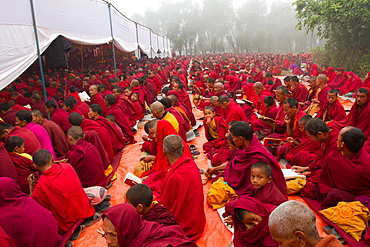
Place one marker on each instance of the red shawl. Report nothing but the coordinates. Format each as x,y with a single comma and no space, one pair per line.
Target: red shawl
98,99
337,81
26,222
183,124
116,138
93,138
270,194
235,113
7,168
59,190
5,240
60,117
129,110
160,214
351,84
122,121
351,174
238,171
88,125
31,144
24,168
221,128
334,112
57,136
366,82
323,96
307,144
183,97
356,119
300,93
258,235
134,232
177,190
86,161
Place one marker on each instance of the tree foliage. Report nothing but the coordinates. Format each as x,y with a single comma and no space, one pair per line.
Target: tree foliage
344,24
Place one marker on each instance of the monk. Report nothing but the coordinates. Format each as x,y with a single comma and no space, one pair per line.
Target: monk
21,160
338,79
271,112
159,112
293,224
359,114
251,151
320,97
126,106
88,125
24,120
271,83
215,128
8,114
7,168
56,134
59,190
141,197
85,159
39,104
96,98
117,139
186,113
31,144
182,94
58,115
177,189
332,109
299,91
120,118
123,226
345,173
262,93
233,111
26,222
292,116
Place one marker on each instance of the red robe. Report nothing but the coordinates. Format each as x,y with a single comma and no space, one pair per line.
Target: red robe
359,119
260,104
40,105
98,99
183,97
160,214
60,117
86,161
24,168
270,194
237,172
141,97
9,117
93,138
334,112
57,136
176,190
300,93
116,138
122,121
31,144
183,124
128,109
221,129
59,190
7,168
351,84
235,113
88,124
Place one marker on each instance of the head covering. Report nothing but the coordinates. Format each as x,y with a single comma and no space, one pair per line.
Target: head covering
23,216
134,232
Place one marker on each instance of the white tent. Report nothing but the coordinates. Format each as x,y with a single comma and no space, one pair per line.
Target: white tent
84,22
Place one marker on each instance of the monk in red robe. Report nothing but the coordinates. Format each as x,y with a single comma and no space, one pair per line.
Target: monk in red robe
7,113
292,116
338,79
251,151
88,124
359,114
262,93
185,112
96,98
299,91
271,83
120,118
346,172
31,144
177,189
92,137
58,115
135,87
59,190
333,109
352,83
7,168
117,138
233,111
182,94
215,128
56,134
85,159
126,106
39,104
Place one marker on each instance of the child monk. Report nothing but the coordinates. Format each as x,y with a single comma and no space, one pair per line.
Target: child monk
140,196
266,192
135,101
332,109
215,128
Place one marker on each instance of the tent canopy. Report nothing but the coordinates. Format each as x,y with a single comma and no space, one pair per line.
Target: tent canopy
84,22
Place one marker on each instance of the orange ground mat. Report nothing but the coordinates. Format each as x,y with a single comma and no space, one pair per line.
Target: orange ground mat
215,234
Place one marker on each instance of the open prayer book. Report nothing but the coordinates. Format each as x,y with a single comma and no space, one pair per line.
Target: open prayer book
264,118
83,96
268,142
131,179
289,174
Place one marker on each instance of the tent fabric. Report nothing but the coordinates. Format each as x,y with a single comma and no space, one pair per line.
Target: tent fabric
84,22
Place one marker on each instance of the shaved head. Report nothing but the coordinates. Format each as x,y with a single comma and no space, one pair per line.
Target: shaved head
76,133
157,106
213,99
172,145
258,85
75,118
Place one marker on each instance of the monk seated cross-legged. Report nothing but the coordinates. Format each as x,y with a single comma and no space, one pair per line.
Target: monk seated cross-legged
332,109
233,111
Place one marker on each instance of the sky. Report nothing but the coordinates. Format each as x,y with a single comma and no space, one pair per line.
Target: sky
130,7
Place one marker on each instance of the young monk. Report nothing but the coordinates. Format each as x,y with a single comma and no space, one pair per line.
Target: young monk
215,128
141,197
21,160
332,109
135,101
250,218
261,178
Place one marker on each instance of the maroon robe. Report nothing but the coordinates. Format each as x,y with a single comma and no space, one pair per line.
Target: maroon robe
300,93
307,144
141,97
160,214
26,222
31,144
221,129
238,171
331,112
83,107
60,117
122,121
86,161
88,124
183,97
235,113
24,168
98,99
7,168
259,124
323,96
183,124
57,136
337,81
356,118
23,101
40,105
9,117
128,109
117,139
93,138
270,194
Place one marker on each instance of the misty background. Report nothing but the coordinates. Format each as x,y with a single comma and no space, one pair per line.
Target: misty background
219,26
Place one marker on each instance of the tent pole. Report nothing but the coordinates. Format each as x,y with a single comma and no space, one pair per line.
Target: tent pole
150,35
82,58
111,32
38,50
137,40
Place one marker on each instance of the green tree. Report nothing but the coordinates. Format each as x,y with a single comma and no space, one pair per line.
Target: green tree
344,24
